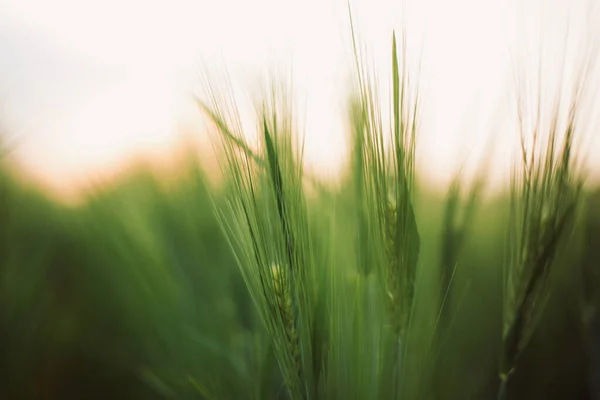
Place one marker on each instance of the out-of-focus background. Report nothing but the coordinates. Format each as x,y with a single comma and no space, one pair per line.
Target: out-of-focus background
115,278
87,85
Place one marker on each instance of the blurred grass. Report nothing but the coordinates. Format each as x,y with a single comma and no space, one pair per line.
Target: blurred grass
136,294
137,283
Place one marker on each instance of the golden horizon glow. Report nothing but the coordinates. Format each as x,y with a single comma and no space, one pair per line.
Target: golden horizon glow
155,51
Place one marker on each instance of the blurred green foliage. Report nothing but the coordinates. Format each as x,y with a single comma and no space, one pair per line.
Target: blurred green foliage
136,294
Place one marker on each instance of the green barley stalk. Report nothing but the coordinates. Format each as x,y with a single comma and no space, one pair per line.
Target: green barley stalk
545,195
402,245
389,187
268,229
358,123
590,293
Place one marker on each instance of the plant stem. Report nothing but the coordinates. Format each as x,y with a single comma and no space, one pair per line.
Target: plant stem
502,390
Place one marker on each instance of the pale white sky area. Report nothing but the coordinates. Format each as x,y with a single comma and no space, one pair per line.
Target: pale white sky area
84,84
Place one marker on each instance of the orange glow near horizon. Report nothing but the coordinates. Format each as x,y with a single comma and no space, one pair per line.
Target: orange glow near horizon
147,57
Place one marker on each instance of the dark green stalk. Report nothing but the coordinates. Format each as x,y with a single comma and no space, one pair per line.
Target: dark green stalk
544,202
591,293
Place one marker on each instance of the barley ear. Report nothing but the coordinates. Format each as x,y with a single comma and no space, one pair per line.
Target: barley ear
545,197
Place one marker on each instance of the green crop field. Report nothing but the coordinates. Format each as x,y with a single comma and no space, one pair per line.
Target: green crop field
274,285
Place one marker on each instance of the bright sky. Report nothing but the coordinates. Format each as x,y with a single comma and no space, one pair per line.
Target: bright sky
86,84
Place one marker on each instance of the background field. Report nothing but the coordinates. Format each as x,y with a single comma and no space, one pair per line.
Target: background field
136,294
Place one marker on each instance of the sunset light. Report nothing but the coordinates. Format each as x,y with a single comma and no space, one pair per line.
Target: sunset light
116,78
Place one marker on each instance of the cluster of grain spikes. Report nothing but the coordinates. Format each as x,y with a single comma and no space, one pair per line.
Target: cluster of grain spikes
545,196
388,162
401,234
267,227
